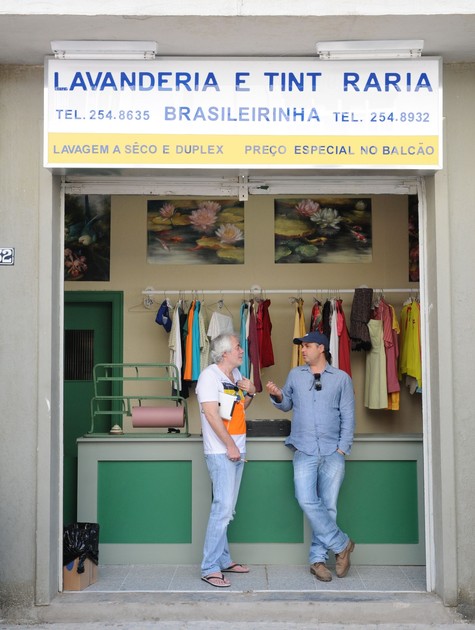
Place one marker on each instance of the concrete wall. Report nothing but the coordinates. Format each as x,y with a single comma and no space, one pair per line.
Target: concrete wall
20,125
30,328
459,92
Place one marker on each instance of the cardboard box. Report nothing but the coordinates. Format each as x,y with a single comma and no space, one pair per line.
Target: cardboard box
74,581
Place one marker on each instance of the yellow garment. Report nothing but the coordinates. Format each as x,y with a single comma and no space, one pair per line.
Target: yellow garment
299,331
410,360
393,401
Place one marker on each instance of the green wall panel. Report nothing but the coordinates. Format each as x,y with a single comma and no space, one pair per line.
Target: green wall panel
267,510
144,502
378,502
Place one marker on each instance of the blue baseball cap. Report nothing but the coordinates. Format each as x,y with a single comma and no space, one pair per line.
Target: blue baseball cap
313,337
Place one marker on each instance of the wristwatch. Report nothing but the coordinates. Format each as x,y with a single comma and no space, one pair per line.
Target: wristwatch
250,395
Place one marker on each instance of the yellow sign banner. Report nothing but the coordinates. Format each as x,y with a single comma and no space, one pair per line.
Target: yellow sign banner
167,150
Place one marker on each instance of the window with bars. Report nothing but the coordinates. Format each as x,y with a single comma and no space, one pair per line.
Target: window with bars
78,355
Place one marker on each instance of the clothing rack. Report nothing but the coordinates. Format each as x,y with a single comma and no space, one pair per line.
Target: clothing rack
258,291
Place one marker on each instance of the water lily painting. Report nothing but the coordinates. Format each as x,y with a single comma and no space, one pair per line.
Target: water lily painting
323,230
87,237
192,232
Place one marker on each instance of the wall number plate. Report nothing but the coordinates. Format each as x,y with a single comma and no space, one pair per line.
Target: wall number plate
7,255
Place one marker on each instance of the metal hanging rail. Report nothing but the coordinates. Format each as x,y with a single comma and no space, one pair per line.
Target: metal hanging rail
254,290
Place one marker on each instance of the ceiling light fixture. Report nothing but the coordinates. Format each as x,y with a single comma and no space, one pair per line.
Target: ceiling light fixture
371,49
92,49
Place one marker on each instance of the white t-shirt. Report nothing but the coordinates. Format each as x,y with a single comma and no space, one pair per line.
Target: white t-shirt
211,382
219,324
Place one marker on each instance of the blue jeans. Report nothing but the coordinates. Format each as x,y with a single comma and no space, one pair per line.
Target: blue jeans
225,479
317,480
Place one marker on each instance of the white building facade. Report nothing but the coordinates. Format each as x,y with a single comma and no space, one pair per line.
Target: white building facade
32,283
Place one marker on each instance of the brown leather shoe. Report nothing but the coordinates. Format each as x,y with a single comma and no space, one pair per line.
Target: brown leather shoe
321,572
342,564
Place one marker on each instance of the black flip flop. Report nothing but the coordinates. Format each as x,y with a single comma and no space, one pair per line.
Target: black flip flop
209,580
235,567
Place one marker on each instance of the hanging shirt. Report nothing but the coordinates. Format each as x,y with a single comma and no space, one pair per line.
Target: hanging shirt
326,319
178,340
254,358
316,317
376,390
164,317
360,315
188,369
219,324
384,312
299,331
334,338
204,341
410,362
243,316
264,329
394,391
344,361
195,344
174,342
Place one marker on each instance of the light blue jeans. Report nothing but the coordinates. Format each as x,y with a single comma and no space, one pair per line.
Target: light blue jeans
317,480
225,480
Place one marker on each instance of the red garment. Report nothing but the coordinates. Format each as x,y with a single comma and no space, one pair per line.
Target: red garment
264,329
316,317
253,348
385,312
344,362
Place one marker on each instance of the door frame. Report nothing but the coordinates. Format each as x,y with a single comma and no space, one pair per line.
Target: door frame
289,183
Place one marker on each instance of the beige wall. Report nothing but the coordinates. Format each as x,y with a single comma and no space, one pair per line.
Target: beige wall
145,341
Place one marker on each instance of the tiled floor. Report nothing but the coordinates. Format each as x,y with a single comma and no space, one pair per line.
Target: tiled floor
261,578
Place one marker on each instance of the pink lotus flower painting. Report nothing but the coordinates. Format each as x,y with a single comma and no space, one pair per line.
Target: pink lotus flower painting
195,232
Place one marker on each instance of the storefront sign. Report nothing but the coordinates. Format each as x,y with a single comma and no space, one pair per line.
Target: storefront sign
262,113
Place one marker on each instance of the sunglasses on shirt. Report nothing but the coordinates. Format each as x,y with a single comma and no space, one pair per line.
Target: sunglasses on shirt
317,382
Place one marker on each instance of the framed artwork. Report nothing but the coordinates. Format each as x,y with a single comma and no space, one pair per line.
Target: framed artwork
192,232
323,230
413,238
87,237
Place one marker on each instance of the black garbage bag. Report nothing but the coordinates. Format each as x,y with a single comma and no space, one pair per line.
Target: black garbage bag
81,540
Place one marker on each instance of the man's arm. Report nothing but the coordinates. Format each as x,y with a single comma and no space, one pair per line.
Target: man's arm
211,411
347,416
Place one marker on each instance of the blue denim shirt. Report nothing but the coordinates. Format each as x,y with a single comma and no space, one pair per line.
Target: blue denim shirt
324,420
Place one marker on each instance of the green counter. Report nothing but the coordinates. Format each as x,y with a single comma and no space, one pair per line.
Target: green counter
151,497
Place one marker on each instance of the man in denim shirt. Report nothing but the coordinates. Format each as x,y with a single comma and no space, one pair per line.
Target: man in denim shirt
323,422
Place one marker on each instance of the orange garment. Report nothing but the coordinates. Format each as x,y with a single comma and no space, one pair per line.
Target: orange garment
188,370
237,424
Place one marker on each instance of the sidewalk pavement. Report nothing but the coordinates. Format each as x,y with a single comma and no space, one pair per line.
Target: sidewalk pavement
241,611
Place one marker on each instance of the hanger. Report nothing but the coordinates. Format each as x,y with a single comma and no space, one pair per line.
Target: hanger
220,304
145,306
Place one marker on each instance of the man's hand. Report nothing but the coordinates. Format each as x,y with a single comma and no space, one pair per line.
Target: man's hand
233,453
274,391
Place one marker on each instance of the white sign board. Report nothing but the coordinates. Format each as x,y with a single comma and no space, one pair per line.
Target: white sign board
239,112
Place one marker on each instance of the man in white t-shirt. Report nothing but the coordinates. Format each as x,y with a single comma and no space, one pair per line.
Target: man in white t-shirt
224,442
